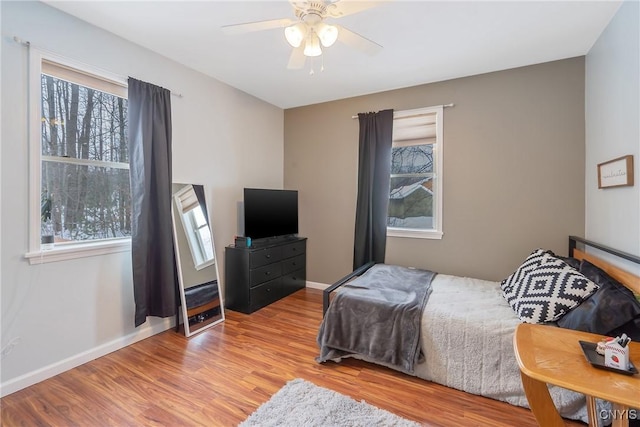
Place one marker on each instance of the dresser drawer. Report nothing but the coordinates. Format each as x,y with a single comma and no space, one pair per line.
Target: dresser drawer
265,294
293,281
292,264
264,257
293,249
263,274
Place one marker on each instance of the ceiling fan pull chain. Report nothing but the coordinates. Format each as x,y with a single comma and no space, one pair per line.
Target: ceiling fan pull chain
311,72
322,63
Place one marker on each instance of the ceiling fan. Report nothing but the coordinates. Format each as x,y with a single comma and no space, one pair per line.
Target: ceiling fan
309,32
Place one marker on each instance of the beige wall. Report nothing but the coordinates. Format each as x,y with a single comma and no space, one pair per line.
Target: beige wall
513,171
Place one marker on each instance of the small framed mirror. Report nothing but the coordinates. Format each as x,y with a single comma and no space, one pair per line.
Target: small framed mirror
198,276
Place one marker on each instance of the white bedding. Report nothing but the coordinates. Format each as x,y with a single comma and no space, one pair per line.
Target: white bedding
467,340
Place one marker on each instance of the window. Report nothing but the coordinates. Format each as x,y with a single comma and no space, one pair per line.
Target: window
415,195
196,227
80,159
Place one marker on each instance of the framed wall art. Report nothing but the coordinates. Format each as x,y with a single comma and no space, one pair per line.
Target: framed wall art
616,173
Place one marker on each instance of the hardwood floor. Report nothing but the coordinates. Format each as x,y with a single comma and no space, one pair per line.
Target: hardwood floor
219,377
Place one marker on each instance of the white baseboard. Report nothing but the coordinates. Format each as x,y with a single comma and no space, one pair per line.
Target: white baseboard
54,369
316,285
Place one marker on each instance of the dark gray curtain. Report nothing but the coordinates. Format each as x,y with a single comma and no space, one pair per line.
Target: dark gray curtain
374,167
155,280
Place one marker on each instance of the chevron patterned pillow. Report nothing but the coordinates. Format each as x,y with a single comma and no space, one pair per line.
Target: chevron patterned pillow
545,288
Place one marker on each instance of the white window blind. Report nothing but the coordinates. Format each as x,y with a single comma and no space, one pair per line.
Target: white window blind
414,129
83,78
188,200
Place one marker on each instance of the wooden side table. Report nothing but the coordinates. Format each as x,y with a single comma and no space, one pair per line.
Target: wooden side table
550,355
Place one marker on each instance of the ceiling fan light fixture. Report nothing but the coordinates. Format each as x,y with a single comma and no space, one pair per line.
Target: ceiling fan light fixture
328,34
312,46
294,34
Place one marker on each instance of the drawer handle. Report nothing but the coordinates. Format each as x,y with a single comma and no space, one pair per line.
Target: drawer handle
294,263
294,249
267,273
268,289
268,256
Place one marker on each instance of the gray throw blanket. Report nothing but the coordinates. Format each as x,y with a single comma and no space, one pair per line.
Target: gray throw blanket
377,315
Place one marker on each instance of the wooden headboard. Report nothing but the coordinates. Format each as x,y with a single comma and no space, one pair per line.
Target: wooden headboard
630,280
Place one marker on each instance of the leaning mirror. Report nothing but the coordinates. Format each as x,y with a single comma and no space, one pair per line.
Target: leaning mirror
196,260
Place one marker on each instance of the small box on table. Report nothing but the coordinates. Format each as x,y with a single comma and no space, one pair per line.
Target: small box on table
616,354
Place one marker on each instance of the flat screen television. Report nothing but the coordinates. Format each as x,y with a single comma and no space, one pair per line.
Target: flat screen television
270,213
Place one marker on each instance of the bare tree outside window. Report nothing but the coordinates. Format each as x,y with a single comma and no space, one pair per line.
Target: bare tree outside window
85,164
411,192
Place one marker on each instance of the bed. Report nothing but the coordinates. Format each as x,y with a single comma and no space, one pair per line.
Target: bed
465,325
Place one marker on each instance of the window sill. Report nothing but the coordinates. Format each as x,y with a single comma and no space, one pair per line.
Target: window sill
414,234
65,252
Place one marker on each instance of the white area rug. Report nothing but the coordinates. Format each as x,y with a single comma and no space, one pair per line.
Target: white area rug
301,403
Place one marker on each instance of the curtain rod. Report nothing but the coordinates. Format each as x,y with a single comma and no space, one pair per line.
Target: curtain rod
29,45
434,106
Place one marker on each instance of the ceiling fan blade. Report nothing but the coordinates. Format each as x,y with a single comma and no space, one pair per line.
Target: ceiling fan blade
340,8
357,41
256,26
297,59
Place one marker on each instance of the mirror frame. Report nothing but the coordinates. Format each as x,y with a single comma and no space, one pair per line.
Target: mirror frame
192,329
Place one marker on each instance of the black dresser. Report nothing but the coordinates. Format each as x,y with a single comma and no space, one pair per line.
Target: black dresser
262,274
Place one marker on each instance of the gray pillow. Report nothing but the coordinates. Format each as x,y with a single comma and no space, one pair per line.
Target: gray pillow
611,310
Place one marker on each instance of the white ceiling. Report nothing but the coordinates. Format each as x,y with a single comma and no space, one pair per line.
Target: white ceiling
424,41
